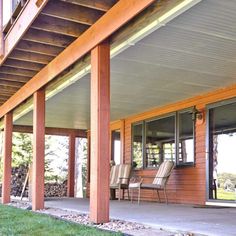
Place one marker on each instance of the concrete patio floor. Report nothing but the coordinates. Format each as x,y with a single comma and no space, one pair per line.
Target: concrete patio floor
207,221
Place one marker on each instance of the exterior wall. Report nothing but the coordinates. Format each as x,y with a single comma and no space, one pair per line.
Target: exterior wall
186,184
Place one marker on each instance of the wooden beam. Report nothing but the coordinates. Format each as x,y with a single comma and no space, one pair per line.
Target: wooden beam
116,17
52,131
33,47
13,84
15,71
21,25
75,13
1,31
30,57
71,167
23,65
7,156
7,89
100,129
59,26
38,150
4,97
15,78
101,5
47,38
7,94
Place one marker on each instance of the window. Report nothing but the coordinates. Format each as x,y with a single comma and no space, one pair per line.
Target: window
186,138
137,144
165,138
222,149
160,135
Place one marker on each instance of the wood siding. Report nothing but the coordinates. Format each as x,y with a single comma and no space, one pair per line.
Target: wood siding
187,184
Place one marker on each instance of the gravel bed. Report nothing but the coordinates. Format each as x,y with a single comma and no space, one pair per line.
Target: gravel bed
126,227
20,204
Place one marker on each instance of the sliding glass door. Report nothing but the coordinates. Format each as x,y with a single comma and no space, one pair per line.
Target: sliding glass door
222,152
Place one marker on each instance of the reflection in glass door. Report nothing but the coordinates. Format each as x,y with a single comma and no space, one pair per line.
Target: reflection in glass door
222,152
116,147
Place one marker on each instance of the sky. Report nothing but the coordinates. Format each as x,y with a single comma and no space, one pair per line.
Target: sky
6,11
226,153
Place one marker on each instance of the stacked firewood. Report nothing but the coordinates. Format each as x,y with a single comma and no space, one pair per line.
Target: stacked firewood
55,189
17,180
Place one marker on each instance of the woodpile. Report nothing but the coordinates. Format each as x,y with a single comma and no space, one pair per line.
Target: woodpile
55,189
18,179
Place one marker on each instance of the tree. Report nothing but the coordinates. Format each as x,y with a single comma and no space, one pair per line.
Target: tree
22,149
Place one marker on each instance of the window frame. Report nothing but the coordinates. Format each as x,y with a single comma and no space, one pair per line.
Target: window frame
192,163
208,145
144,123
145,138
132,141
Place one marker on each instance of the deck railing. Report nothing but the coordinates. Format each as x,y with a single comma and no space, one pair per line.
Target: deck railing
14,10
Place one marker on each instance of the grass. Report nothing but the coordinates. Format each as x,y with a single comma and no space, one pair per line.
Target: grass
224,195
14,222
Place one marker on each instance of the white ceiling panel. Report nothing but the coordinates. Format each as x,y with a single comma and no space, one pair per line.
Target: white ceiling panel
193,54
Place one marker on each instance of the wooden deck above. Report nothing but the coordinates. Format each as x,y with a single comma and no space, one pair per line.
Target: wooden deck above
56,26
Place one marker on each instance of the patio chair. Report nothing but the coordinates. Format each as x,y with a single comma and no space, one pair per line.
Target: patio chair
119,178
160,180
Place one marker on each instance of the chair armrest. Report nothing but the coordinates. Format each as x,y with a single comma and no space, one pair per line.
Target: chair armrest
148,177
161,177
136,179
123,178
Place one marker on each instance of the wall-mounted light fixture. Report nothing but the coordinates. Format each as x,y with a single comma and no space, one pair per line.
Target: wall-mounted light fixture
196,114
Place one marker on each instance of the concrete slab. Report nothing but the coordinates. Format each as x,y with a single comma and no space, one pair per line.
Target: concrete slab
207,221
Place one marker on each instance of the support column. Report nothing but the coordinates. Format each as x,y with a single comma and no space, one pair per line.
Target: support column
7,156
38,150
100,125
71,167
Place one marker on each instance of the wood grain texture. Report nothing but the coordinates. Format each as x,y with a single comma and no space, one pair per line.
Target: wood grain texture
21,25
7,158
100,130
115,18
38,150
71,167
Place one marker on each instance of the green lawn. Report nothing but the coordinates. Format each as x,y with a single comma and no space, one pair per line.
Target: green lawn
224,195
14,222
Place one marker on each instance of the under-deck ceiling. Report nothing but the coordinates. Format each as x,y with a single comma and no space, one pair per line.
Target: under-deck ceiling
193,54
57,26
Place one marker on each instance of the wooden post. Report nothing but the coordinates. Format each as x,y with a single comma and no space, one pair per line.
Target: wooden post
1,33
7,156
38,150
71,167
100,119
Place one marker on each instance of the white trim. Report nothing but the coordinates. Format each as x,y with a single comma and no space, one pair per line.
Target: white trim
223,204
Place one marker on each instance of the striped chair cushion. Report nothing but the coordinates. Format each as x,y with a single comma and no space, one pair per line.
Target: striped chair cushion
114,175
163,171
120,171
124,173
